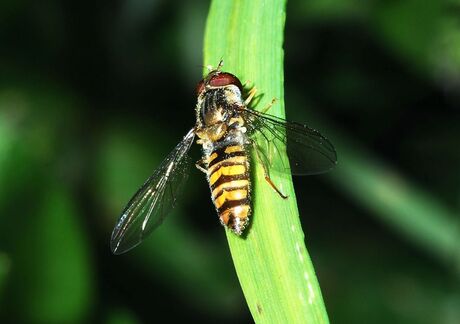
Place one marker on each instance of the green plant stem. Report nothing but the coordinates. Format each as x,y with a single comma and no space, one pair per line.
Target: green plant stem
272,262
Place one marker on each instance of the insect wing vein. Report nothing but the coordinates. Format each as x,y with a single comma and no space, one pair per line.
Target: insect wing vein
309,152
154,200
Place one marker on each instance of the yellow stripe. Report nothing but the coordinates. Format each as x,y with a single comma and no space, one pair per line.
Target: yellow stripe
230,195
230,184
227,170
212,157
234,159
235,148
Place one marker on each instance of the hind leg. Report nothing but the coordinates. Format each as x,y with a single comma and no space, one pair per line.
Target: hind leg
266,172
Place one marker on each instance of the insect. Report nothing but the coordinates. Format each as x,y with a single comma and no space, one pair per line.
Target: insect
228,130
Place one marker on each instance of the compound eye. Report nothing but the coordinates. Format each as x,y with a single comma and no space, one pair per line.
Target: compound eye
199,87
224,79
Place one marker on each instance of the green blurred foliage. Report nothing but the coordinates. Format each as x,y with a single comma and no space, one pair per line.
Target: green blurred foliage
93,95
46,255
51,277
122,164
122,317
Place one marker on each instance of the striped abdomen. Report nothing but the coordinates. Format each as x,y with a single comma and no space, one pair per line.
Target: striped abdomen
228,177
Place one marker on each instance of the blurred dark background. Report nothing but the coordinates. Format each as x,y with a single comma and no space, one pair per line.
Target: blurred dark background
94,94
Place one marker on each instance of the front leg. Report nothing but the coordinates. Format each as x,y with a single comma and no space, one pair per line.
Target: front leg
201,165
251,95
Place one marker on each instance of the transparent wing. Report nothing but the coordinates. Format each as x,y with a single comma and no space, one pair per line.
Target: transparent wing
154,200
308,151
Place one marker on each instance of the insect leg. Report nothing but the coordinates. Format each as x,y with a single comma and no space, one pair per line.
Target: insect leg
266,173
267,108
200,165
245,84
251,93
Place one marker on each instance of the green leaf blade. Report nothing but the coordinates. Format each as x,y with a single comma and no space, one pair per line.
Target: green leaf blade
272,262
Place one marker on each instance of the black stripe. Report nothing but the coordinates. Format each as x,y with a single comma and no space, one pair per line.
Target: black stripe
222,156
228,178
233,203
219,151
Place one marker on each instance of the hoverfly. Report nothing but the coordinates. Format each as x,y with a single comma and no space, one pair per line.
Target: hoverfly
227,130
